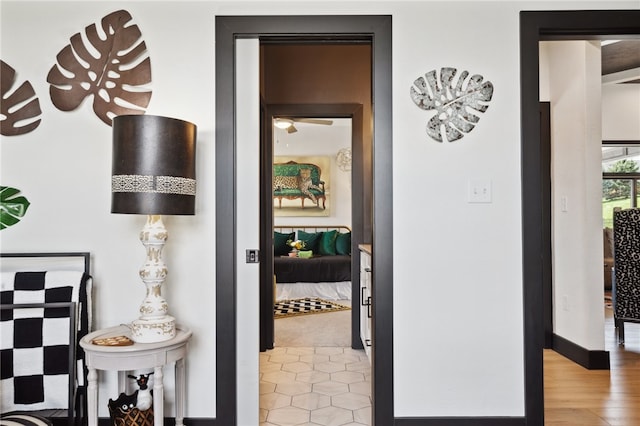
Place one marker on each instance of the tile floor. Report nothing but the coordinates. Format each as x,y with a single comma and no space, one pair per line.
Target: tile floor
328,386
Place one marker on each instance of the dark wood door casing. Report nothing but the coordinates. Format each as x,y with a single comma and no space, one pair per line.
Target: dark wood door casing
377,30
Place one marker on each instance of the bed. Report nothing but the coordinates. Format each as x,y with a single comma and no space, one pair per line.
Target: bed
326,274
46,309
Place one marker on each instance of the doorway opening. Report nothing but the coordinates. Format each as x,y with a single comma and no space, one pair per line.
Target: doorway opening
319,79
536,27
571,79
376,29
318,361
300,85
357,212
314,146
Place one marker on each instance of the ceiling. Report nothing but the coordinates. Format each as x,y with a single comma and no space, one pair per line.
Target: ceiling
621,62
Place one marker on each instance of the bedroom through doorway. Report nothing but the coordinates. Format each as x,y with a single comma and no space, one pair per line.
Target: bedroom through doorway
312,283
319,93
316,187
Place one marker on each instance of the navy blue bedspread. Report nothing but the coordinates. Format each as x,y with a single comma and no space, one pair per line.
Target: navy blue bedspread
318,269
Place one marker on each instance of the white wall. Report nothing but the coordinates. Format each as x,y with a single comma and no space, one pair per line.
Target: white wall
573,79
621,112
458,336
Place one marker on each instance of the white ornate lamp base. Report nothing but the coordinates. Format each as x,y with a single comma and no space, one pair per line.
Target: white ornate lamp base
153,330
154,324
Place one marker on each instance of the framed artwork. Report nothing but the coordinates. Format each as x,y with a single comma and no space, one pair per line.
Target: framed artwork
301,186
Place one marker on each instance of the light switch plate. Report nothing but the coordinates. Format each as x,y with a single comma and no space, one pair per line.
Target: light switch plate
564,204
479,191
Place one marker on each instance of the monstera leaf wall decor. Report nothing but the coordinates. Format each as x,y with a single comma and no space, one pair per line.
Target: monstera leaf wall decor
12,206
454,106
113,66
20,107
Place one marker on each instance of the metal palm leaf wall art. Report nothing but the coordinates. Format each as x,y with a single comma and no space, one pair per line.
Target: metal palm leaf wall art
20,106
455,106
110,64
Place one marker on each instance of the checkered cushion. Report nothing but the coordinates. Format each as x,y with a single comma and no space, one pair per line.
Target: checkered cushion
36,342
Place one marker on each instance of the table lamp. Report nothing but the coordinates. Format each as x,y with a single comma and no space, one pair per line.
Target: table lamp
153,173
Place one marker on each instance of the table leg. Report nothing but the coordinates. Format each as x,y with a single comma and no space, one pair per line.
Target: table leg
92,397
180,392
158,397
122,382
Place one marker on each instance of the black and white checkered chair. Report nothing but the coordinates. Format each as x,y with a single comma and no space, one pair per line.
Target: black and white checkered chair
44,314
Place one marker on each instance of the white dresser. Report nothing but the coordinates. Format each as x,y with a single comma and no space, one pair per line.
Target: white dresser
365,297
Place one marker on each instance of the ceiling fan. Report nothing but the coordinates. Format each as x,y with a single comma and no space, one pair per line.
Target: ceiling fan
289,123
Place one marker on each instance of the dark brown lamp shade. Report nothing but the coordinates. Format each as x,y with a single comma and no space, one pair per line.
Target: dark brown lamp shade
154,165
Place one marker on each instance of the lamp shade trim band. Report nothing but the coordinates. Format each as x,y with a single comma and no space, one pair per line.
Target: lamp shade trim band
153,184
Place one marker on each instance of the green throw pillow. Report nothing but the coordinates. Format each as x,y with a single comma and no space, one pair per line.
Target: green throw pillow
310,239
280,246
343,243
327,245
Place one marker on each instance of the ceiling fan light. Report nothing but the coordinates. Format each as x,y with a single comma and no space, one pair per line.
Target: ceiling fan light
282,123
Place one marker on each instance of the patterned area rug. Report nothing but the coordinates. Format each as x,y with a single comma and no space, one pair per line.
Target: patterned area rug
309,305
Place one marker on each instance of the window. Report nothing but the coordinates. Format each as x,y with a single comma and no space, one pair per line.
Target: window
620,177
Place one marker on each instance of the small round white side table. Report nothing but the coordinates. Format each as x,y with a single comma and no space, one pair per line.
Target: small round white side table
137,356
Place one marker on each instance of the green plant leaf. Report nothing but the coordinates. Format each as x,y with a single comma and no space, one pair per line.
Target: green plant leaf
12,206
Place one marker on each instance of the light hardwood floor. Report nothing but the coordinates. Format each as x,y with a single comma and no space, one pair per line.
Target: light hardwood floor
576,396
